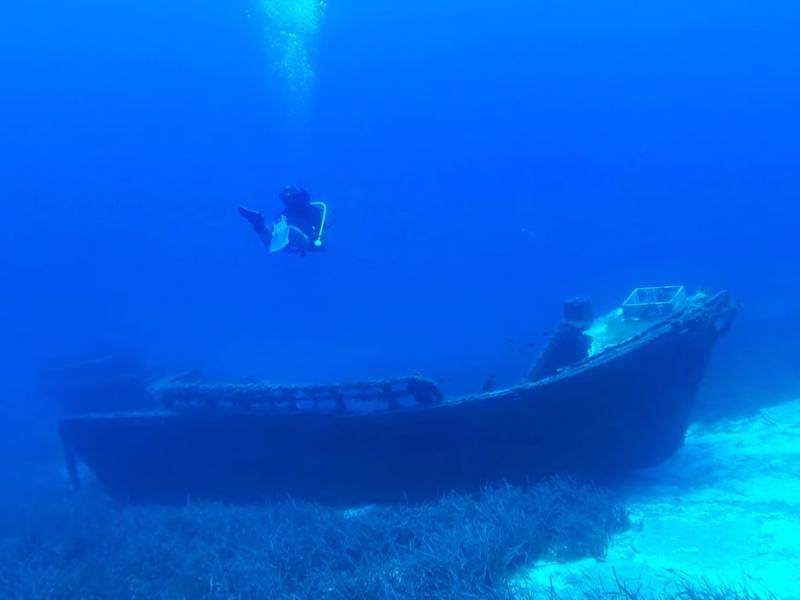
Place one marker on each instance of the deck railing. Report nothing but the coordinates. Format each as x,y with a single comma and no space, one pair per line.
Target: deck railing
355,397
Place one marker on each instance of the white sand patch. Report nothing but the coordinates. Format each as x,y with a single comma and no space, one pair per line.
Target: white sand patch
725,509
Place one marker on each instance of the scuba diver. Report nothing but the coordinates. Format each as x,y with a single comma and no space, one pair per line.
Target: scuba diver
298,229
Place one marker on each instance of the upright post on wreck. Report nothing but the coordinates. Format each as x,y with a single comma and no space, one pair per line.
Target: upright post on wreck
568,344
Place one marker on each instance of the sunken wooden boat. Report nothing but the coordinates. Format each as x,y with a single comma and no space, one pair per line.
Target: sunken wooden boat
625,406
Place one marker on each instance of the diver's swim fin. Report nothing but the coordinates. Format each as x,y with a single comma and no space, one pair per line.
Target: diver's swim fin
280,235
255,218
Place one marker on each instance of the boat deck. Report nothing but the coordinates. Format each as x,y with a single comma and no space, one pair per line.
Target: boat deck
613,328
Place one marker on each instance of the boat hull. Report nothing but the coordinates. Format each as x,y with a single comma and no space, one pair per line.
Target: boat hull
625,408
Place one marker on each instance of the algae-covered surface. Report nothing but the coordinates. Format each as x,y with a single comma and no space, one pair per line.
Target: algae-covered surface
724,510
612,329
615,328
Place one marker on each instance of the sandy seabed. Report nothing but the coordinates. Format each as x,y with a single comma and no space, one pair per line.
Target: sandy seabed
724,510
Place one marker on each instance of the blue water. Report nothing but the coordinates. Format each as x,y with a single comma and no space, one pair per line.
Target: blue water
485,160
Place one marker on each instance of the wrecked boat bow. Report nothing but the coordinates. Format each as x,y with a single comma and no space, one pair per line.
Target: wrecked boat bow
626,405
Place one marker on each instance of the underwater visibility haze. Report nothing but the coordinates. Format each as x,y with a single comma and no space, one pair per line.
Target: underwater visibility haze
469,166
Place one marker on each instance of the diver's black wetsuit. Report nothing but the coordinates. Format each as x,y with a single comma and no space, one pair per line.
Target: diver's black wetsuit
301,214
305,216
